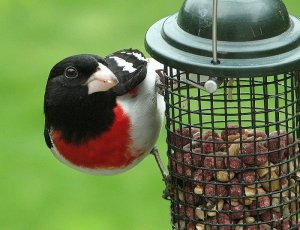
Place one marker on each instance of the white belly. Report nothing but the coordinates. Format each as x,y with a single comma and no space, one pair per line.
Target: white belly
146,111
146,117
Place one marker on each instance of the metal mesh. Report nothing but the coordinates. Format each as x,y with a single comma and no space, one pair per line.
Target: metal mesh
233,155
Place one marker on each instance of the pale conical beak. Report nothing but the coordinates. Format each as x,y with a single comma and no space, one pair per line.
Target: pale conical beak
102,80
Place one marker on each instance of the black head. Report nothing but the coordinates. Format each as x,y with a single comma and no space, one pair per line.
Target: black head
78,100
79,71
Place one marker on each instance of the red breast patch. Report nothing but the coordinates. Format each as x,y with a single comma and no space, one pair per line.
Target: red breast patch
108,151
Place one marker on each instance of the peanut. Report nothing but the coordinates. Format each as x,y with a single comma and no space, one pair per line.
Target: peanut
201,227
272,184
218,206
224,176
200,213
266,168
198,190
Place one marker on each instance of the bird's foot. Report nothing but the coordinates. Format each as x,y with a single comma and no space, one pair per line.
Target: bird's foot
167,193
160,82
165,176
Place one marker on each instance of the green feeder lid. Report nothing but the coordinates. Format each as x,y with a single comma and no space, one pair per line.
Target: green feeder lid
255,37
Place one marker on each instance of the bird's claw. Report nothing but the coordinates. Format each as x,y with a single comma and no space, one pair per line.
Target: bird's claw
167,192
165,176
160,82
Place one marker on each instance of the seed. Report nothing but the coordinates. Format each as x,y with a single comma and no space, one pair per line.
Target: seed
224,176
198,190
200,213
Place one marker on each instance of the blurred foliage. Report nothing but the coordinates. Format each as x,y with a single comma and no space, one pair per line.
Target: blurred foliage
36,191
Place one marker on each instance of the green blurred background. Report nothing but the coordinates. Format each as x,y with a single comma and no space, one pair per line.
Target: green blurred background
37,191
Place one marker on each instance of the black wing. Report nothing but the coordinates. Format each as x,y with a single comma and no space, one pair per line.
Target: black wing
129,66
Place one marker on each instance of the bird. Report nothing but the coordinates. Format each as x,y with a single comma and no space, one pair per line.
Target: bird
103,115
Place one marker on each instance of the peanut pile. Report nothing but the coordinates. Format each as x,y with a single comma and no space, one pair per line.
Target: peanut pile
238,179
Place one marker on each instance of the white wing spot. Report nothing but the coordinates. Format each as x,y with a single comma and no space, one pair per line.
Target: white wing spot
127,66
137,55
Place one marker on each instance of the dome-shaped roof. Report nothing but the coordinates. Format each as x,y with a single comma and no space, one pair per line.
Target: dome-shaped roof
255,37
238,20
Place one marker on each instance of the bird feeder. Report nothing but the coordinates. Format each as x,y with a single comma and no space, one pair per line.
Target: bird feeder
232,99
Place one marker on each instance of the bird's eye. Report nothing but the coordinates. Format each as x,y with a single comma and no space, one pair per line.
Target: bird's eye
71,72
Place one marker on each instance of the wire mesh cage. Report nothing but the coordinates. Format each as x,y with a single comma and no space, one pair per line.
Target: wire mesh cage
232,113
233,155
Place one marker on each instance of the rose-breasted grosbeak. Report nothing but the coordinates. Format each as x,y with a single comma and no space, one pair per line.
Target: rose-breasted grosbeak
103,115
